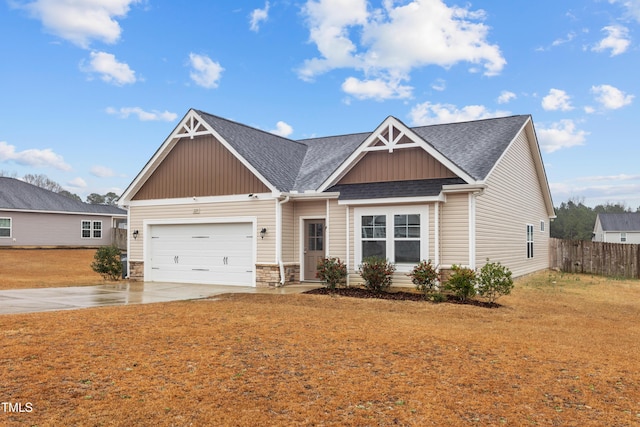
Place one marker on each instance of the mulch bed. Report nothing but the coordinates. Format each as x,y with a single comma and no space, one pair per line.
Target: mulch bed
395,296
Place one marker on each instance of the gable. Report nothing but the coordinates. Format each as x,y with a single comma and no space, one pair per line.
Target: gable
399,165
200,167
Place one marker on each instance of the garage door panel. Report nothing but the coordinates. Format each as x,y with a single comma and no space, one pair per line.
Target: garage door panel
202,253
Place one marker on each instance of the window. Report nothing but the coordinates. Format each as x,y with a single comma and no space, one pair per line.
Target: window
399,235
5,227
374,236
529,241
91,229
316,230
542,226
407,238
623,237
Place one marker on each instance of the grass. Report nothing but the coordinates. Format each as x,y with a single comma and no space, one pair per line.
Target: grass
562,350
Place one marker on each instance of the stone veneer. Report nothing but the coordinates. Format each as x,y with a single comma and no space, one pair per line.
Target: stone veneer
269,275
266,274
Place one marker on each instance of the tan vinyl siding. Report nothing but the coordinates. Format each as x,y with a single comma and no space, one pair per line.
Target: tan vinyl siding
400,165
512,200
199,167
288,233
337,230
308,209
454,230
262,210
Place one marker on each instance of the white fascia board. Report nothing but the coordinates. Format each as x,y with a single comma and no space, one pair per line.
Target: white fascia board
417,142
207,199
115,215
166,147
393,200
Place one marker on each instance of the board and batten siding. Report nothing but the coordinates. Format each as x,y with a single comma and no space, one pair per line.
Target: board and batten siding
454,230
512,200
199,167
263,210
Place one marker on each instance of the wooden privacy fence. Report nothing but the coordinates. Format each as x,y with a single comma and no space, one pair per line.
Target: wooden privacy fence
606,259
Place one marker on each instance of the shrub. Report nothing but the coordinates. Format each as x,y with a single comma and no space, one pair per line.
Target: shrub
425,277
376,273
494,281
462,283
332,272
107,262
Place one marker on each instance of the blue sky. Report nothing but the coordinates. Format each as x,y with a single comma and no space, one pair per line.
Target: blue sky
89,89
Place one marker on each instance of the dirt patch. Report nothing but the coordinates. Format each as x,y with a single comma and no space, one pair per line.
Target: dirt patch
562,350
44,268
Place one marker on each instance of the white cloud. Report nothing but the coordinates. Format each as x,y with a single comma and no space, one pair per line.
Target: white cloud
102,171
439,85
557,100
388,42
632,8
429,114
282,129
205,73
610,97
617,40
258,16
77,183
32,157
378,89
110,70
559,42
562,134
506,97
81,21
143,115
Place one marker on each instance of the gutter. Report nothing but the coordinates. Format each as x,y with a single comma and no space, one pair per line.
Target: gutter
279,260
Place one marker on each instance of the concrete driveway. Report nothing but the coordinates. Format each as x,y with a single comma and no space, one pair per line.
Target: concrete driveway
123,293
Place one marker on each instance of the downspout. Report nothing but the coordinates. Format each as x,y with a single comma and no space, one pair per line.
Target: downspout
279,260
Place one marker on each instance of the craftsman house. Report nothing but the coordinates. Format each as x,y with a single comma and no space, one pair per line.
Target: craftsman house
617,228
31,216
224,203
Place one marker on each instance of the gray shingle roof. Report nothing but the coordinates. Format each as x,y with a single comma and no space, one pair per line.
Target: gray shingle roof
278,159
19,195
381,190
475,146
302,165
620,222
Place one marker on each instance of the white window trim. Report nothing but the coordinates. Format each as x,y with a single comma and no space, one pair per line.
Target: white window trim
10,227
623,237
543,225
532,241
390,211
91,229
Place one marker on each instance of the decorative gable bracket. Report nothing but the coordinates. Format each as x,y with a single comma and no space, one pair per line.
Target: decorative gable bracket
390,138
191,128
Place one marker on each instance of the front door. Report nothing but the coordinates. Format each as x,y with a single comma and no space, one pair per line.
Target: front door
313,247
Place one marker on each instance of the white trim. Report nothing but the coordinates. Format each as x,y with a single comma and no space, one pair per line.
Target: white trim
301,242
168,144
207,199
10,236
472,231
436,237
361,151
393,200
326,231
91,229
114,215
147,223
348,240
390,211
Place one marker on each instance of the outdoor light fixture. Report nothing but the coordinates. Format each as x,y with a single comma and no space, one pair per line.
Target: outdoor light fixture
135,234
263,232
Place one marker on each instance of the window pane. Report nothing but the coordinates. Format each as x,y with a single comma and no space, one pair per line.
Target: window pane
86,234
374,248
400,231
380,221
5,222
367,220
379,232
319,244
5,232
367,232
86,225
414,232
97,234
413,220
400,220
407,251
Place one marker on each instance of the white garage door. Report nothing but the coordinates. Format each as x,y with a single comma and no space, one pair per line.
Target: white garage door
220,254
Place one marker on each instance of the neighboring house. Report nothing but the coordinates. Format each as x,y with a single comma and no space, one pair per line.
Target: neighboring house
31,216
617,228
223,203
